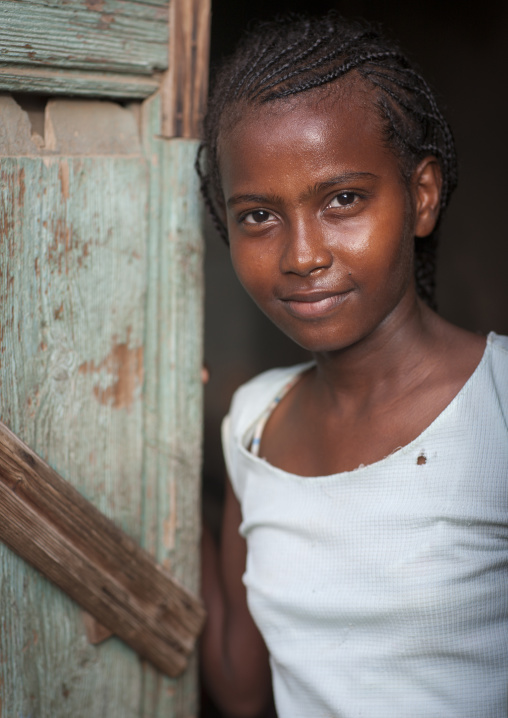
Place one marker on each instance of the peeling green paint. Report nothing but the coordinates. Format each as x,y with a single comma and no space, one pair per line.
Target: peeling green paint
100,356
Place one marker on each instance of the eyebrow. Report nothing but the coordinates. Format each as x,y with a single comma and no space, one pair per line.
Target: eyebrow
343,178
339,179
258,198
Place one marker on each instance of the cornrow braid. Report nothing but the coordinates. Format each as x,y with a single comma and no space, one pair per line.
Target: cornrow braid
314,65
291,55
278,70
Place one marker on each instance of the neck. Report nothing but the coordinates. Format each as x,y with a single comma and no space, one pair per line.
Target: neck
393,356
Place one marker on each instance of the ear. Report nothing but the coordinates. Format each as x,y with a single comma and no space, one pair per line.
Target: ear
426,183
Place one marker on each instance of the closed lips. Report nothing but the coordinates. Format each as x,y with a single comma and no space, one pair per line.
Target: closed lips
307,305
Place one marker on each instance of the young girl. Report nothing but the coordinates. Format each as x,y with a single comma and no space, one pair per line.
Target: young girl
363,566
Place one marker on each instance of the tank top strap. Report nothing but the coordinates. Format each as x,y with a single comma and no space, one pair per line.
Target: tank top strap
261,423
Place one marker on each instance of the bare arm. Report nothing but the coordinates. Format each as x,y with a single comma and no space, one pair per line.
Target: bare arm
234,656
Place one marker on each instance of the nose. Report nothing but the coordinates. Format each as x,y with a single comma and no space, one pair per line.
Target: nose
305,251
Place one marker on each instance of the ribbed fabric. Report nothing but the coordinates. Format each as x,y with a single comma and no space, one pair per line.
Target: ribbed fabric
383,592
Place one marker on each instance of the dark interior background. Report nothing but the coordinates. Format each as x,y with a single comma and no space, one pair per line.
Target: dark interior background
462,50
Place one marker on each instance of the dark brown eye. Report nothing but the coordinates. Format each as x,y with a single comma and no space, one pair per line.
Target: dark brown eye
343,199
258,216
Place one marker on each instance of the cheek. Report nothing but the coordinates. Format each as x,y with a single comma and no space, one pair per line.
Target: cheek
250,265
373,245
387,246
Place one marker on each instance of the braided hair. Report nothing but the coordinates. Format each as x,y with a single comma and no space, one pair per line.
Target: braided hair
293,54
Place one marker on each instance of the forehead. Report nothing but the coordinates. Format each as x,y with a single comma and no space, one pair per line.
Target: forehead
318,133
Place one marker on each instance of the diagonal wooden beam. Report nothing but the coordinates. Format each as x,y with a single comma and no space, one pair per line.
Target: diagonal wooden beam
54,528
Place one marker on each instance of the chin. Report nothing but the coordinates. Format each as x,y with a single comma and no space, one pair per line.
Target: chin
317,342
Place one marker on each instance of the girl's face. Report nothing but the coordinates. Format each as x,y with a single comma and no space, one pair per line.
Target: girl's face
321,225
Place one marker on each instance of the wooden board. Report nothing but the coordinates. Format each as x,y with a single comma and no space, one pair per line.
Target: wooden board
51,526
71,388
111,36
173,358
100,356
185,85
45,80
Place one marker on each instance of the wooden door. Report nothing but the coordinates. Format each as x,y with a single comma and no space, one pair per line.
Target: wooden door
100,317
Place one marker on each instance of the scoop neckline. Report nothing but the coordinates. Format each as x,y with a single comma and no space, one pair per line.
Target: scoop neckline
386,460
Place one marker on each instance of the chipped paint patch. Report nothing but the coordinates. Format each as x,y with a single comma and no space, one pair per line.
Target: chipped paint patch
123,366
169,525
95,5
58,313
105,21
63,176
22,188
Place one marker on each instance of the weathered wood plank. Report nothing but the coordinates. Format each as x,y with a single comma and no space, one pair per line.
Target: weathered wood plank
72,286
185,85
71,36
92,317
173,391
45,80
49,524
146,9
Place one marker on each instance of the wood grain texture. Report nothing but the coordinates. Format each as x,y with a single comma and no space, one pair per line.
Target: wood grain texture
146,9
172,392
45,80
51,526
94,375
70,330
185,85
84,35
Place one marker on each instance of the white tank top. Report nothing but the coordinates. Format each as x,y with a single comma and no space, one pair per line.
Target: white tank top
383,592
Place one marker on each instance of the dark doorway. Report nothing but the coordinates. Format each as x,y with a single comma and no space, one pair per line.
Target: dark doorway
462,53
